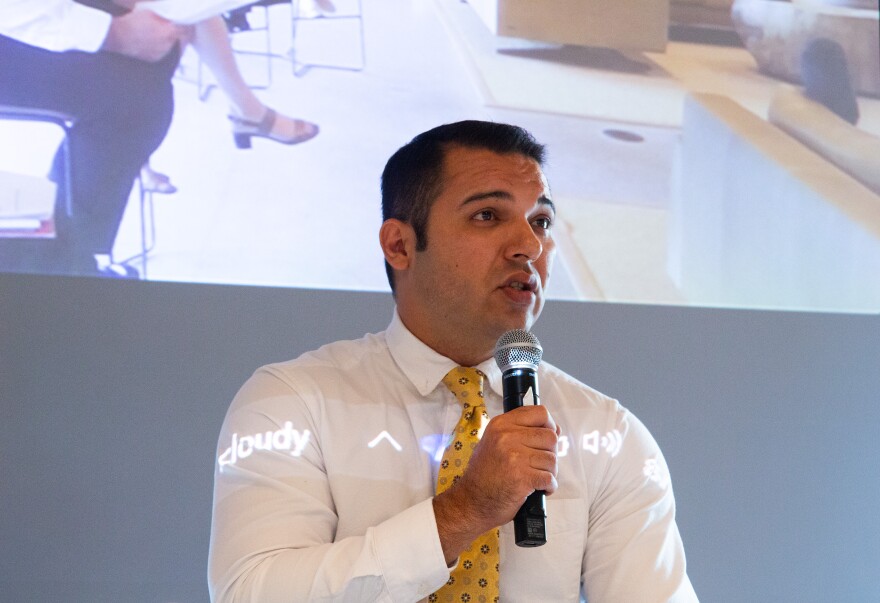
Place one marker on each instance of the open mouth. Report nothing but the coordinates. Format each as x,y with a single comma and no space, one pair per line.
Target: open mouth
522,284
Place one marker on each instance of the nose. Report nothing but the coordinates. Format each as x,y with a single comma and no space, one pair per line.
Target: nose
525,243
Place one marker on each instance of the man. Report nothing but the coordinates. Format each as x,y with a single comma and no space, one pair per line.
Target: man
325,484
110,70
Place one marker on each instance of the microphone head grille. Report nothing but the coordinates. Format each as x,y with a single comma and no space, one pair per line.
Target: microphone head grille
518,348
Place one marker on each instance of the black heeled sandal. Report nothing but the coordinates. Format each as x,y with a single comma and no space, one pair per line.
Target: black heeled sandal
245,129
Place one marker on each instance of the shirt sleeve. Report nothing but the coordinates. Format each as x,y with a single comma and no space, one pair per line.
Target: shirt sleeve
274,519
634,550
56,25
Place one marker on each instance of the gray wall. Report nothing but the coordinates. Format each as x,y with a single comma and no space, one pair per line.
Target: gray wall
112,395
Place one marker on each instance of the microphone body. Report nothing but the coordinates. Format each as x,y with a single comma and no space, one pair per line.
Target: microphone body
518,354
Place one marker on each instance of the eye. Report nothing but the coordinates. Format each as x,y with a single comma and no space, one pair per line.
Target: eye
543,222
485,215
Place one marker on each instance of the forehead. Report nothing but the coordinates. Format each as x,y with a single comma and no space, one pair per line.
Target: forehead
467,170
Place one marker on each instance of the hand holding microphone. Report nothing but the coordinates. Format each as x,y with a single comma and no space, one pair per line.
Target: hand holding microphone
513,466
518,354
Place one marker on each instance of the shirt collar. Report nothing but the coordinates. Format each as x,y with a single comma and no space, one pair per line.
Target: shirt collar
424,367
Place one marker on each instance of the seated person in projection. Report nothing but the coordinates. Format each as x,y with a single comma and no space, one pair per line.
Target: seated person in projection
334,480
110,70
249,116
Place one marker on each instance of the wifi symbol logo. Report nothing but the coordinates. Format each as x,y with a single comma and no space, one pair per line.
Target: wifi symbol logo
611,442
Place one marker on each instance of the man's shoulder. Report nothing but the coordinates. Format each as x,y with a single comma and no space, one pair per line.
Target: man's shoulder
572,391
344,356
334,370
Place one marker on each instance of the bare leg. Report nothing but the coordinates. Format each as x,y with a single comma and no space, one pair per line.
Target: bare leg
211,41
156,182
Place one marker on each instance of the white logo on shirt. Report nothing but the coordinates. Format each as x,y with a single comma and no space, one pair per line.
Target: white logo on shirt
611,442
286,438
656,471
387,437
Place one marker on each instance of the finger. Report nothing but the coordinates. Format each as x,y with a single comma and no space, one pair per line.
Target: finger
543,460
544,481
541,438
532,416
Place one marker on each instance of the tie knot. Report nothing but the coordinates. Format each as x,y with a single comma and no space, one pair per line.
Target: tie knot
466,384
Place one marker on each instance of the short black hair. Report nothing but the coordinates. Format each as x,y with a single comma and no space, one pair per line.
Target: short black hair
412,177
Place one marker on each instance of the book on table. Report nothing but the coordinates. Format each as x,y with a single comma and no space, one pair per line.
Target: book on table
26,206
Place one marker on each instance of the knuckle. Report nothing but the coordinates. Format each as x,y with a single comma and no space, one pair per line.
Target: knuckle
541,460
544,482
544,439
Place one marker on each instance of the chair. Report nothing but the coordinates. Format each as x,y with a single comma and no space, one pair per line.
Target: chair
147,229
237,23
300,68
66,122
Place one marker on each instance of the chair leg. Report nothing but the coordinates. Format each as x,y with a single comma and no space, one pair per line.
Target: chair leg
68,177
300,68
148,234
147,229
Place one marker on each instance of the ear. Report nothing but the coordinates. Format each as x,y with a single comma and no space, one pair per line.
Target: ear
398,241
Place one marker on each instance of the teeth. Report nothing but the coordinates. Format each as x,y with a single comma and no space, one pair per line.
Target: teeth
517,285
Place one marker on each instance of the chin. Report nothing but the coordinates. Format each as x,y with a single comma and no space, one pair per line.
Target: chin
522,322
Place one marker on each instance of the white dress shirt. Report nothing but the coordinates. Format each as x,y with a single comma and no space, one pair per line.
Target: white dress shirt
56,25
327,465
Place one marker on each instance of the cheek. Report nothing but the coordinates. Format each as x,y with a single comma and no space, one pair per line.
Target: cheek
456,272
471,259
546,263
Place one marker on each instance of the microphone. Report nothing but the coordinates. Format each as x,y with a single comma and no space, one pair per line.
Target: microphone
518,354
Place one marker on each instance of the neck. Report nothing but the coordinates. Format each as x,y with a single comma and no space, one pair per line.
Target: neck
460,349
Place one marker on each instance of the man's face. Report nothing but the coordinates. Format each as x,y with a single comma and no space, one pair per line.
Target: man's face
488,256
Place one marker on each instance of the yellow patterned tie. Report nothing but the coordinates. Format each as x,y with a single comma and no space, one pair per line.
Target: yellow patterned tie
475,580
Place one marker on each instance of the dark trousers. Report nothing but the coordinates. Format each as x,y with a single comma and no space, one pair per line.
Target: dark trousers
122,108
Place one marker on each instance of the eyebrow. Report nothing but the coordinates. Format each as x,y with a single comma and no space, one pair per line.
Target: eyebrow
504,195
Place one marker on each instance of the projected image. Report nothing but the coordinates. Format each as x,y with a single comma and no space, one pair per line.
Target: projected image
700,152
